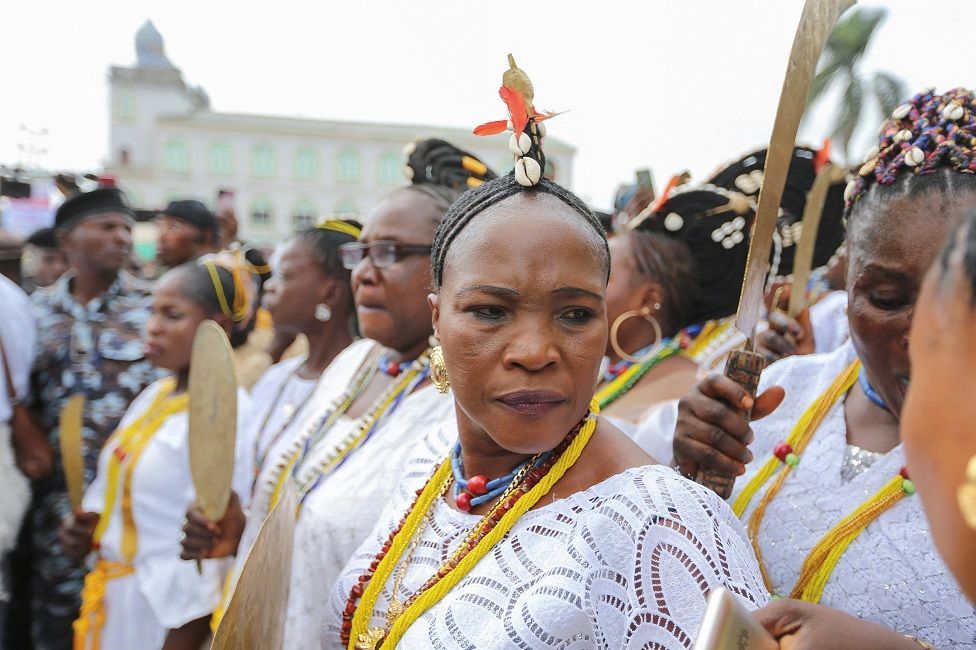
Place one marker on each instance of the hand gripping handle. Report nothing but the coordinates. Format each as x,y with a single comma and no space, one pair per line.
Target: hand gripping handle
744,368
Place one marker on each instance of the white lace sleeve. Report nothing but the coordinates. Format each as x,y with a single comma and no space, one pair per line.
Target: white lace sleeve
650,578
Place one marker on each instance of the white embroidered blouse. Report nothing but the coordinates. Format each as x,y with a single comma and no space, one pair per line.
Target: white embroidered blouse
627,562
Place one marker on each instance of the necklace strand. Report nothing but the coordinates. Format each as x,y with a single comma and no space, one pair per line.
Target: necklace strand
529,486
822,559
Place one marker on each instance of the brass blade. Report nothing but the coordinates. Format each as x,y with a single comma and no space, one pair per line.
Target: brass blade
816,22
213,419
802,263
72,456
255,616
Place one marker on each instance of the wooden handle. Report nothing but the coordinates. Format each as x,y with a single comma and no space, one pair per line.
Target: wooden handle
744,368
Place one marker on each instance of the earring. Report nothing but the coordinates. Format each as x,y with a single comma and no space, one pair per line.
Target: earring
438,370
323,312
658,336
967,494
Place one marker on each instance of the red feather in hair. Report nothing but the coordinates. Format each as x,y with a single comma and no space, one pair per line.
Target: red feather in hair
516,107
491,128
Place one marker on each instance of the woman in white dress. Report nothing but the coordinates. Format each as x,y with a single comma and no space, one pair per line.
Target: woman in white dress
343,459
830,509
139,593
576,543
309,293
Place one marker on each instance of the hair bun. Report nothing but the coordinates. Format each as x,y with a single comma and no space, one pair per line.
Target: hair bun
438,162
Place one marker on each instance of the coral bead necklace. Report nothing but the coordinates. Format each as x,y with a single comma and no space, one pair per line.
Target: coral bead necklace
527,487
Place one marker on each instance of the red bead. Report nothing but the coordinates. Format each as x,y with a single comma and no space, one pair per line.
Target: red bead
350,609
904,473
782,450
478,485
463,502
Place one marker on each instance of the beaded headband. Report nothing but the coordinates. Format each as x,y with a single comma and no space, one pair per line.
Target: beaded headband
524,121
928,132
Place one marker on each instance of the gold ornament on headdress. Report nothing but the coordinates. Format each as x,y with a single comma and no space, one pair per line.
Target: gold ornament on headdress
524,121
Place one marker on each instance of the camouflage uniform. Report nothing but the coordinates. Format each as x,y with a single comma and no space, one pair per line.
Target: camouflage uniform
94,349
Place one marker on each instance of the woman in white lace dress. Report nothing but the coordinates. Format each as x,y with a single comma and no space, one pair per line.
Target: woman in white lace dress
543,525
830,509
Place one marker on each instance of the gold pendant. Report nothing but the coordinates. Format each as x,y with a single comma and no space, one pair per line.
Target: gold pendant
393,612
371,638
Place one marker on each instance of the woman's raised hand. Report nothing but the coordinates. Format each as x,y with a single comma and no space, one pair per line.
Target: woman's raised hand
713,431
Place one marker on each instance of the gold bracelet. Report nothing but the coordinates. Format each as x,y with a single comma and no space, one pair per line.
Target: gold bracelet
921,644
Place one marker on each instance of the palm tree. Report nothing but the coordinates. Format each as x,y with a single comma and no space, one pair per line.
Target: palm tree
840,64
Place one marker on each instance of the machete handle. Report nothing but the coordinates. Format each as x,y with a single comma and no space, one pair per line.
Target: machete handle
744,368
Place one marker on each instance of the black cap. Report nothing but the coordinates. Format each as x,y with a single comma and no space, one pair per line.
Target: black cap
43,238
193,212
90,204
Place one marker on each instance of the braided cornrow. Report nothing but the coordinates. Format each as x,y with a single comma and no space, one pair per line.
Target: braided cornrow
476,201
928,143
442,172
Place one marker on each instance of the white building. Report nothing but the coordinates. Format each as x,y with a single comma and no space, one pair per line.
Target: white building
166,143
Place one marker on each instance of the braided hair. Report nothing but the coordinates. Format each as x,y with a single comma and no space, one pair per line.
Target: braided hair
476,201
963,237
702,233
442,172
745,175
928,144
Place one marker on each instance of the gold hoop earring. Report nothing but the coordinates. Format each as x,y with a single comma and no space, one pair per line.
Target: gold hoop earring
967,494
658,336
438,370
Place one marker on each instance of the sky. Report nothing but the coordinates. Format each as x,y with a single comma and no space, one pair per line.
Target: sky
667,85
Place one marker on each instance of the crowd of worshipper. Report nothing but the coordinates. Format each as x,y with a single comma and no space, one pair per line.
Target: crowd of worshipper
482,416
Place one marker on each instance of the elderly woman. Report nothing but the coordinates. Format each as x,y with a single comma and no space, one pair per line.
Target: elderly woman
829,505
543,525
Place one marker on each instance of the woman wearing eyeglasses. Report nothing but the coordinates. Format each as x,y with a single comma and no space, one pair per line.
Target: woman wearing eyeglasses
343,460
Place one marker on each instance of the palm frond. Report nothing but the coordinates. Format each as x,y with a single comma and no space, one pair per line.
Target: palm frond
889,91
848,114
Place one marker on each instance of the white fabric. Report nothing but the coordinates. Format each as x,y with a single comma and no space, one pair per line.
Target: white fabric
829,320
165,592
19,337
655,433
891,573
625,563
331,385
272,410
340,513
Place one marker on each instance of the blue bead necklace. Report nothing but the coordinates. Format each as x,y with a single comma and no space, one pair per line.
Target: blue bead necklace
870,392
469,493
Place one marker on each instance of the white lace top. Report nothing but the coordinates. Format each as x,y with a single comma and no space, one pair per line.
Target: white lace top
627,562
891,573
340,513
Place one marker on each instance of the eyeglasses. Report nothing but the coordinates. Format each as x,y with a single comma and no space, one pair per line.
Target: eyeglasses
381,253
